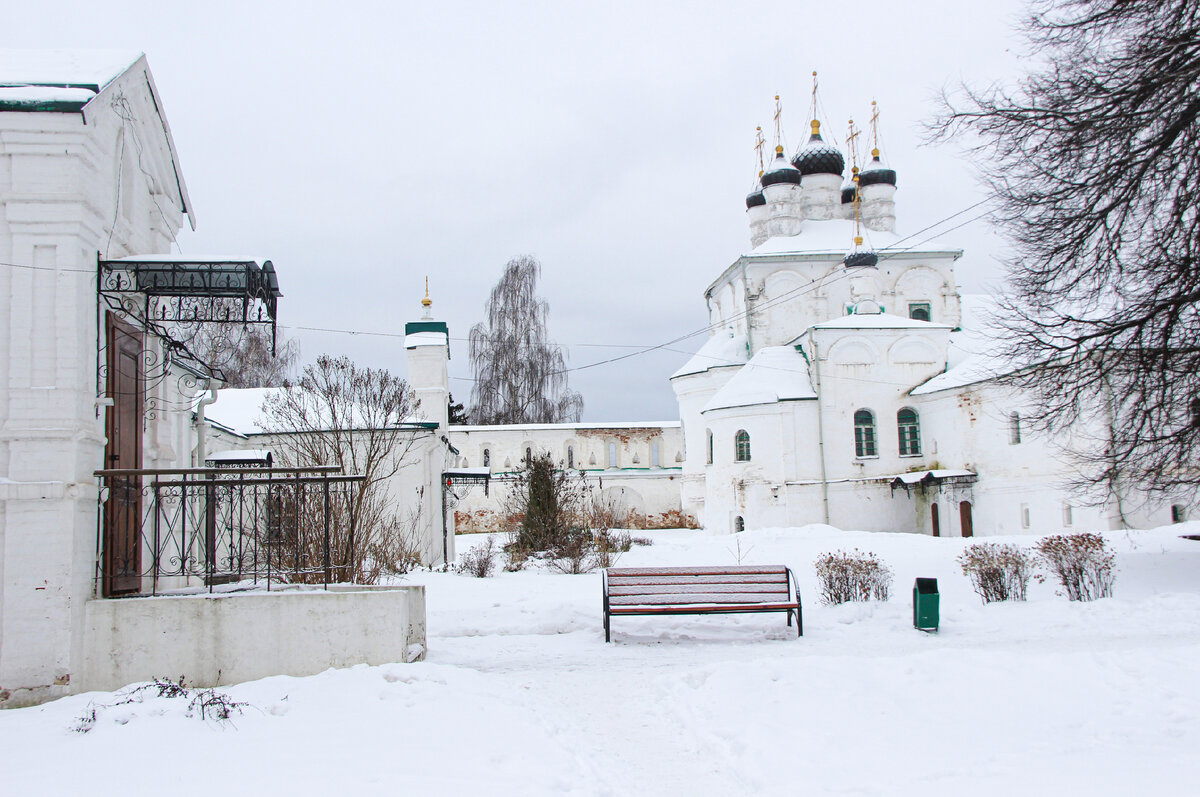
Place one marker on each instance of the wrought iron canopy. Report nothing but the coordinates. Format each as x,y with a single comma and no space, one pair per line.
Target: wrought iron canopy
243,280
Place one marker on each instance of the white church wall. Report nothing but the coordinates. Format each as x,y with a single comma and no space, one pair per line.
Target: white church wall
59,206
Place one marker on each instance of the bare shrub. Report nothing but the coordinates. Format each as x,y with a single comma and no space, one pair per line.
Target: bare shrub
1082,563
852,576
515,558
641,541
479,561
203,703
608,546
998,572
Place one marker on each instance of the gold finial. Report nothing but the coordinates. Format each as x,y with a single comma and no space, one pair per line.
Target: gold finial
858,240
875,152
426,302
816,127
779,149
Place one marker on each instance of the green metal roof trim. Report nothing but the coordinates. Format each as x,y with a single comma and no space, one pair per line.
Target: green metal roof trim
426,326
42,106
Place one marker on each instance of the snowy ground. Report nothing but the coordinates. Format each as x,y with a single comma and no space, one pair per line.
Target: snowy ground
521,696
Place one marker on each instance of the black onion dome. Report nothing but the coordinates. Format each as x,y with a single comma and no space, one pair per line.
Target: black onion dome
817,157
780,172
857,259
755,199
848,192
876,174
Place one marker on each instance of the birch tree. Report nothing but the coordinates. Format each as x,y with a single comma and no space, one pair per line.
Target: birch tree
520,376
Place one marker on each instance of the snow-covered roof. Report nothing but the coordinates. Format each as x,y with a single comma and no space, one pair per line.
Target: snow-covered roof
775,373
174,258
919,475
837,236
416,339
723,348
240,455
84,69
240,409
976,351
877,321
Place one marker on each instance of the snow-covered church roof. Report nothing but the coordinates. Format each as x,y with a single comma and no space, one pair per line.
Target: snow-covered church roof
837,236
877,321
976,352
724,348
775,373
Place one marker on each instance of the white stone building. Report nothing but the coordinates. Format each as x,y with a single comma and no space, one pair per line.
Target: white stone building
95,375
847,382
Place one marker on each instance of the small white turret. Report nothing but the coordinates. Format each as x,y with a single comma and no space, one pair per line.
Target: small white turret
427,343
877,192
877,186
781,189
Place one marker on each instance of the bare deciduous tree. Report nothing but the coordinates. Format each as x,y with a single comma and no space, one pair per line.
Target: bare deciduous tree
1094,160
243,354
356,418
520,376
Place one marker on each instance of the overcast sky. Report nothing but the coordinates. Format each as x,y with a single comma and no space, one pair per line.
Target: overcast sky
364,145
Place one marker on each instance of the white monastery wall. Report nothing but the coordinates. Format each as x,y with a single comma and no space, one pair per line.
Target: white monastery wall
639,463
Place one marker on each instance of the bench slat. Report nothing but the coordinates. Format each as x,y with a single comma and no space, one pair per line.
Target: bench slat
749,578
705,609
680,600
694,571
685,589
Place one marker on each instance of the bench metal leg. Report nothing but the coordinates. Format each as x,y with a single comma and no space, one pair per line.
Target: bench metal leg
607,633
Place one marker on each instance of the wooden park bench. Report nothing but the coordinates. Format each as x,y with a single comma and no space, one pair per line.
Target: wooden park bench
700,590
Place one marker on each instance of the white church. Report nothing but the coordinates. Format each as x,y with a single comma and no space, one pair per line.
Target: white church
846,381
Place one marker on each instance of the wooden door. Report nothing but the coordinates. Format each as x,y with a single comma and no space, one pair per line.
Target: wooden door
933,514
123,427
964,515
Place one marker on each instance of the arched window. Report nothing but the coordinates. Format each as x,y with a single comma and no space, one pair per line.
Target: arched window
919,311
741,444
864,434
654,461
739,524
487,458
570,456
909,426
1014,428
528,455
709,457
612,455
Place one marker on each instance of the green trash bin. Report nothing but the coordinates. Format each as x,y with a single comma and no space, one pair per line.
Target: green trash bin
925,604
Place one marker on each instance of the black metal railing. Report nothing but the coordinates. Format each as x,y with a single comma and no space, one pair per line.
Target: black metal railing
170,530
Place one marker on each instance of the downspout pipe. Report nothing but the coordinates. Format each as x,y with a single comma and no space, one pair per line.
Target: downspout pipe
820,424
202,426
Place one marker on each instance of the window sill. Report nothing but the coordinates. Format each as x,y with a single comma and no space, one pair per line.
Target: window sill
910,456
869,456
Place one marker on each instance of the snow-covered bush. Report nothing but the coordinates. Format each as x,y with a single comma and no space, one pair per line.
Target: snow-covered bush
1082,563
852,576
998,572
479,561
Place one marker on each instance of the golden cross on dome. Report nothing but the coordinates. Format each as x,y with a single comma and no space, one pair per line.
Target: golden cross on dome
874,130
759,143
426,302
778,124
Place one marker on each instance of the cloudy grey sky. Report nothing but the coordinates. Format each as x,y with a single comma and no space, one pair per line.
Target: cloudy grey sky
364,145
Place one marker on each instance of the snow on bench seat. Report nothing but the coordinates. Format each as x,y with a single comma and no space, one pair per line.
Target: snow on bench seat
699,590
